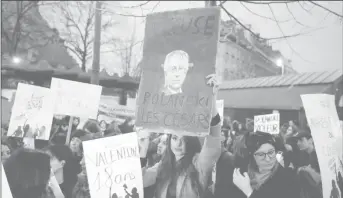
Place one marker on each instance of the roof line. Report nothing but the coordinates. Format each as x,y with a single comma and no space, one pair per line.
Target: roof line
288,80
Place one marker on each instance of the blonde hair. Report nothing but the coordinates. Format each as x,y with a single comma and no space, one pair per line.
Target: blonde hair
179,54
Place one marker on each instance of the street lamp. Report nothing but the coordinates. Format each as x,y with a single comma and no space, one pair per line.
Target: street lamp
16,60
279,62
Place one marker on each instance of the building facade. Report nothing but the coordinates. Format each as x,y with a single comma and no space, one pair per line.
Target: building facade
241,55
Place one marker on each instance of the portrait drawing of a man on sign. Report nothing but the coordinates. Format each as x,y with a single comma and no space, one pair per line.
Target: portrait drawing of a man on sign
175,67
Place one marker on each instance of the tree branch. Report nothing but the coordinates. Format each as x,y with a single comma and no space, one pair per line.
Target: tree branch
268,18
269,3
253,33
290,46
222,3
126,48
290,12
306,10
75,52
131,7
125,15
327,9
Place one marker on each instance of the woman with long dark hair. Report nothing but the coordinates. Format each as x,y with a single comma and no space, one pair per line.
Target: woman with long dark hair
64,166
28,173
156,149
185,167
81,189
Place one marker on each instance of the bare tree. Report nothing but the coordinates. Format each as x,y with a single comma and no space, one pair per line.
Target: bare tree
127,55
20,26
78,31
125,48
301,4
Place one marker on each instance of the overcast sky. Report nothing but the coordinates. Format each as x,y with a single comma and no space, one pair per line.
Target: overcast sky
320,49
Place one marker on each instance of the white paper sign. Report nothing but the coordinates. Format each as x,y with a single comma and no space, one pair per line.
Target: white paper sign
323,120
269,123
76,98
143,142
32,112
110,112
113,166
220,106
5,188
55,187
214,178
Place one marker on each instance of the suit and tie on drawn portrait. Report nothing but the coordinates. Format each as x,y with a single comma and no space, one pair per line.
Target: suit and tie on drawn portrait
175,67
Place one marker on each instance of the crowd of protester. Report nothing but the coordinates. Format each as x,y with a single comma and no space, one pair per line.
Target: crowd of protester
233,161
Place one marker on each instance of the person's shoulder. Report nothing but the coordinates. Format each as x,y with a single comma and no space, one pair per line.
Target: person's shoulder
287,174
226,157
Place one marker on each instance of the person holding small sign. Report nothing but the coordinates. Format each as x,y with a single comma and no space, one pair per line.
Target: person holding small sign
185,167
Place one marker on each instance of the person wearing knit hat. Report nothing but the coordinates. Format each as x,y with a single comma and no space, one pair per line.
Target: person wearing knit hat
265,177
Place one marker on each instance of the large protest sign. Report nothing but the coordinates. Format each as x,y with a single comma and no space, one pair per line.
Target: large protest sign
5,188
323,121
269,123
76,98
32,112
113,166
180,50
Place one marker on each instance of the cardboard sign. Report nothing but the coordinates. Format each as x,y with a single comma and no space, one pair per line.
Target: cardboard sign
5,188
55,187
180,49
76,98
32,112
269,123
220,106
113,166
323,121
109,113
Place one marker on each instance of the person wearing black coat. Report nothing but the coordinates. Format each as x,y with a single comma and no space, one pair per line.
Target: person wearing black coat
224,187
228,161
264,177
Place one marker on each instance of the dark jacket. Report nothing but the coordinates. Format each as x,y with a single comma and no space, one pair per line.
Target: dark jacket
224,187
282,185
81,189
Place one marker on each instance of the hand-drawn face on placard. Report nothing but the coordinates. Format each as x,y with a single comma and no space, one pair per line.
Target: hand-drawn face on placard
175,67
